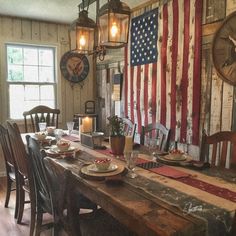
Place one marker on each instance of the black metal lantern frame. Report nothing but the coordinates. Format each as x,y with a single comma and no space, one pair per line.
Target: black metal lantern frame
112,20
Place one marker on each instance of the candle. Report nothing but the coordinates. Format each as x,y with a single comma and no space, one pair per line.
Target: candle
177,133
128,144
87,124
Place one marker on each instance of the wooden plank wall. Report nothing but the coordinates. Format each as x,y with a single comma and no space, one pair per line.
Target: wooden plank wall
218,108
71,97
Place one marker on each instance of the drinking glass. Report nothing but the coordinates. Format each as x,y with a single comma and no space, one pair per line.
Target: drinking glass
42,126
58,134
152,144
131,160
70,126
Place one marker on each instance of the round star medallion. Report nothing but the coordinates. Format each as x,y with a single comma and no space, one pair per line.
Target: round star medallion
74,66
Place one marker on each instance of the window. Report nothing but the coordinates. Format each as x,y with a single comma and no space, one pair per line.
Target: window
30,78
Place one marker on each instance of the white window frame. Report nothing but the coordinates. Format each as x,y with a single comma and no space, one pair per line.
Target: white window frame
55,83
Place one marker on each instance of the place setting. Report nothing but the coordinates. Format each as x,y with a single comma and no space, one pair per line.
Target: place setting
102,167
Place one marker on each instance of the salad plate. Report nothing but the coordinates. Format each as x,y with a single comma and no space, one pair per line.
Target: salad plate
93,168
55,149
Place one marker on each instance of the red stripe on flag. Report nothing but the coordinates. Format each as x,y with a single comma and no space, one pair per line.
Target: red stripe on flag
132,93
184,82
174,65
146,105
197,71
138,98
163,65
126,82
154,91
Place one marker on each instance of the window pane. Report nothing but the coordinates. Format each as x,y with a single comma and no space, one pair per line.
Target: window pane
47,92
32,93
46,57
30,56
31,69
15,73
31,73
46,74
16,94
14,55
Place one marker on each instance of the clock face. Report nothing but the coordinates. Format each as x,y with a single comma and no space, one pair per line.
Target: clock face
224,50
74,66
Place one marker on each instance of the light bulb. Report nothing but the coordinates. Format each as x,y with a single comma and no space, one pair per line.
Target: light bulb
82,41
114,29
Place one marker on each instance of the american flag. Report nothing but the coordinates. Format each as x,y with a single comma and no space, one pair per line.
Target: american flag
166,90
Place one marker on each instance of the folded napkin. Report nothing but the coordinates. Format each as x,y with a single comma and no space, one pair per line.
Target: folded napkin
169,172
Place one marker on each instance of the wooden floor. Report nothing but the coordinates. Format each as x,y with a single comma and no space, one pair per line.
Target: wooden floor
8,225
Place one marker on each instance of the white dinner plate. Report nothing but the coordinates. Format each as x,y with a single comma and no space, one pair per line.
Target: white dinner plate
171,157
57,150
93,168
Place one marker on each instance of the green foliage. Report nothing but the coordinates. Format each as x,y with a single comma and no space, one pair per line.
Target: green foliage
116,126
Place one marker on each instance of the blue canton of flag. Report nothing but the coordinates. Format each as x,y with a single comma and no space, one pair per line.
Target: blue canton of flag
144,38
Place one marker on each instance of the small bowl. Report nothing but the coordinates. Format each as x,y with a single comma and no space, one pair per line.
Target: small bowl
50,129
176,153
41,135
63,145
102,163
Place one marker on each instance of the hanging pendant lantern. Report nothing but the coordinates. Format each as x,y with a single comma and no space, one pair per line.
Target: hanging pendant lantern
82,33
114,20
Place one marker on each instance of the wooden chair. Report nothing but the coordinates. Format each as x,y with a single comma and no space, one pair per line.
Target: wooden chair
64,190
129,127
41,114
25,177
11,168
217,147
43,204
157,131
42,187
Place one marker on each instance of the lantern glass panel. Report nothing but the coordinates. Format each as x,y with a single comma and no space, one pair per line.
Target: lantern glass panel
113,29
84,39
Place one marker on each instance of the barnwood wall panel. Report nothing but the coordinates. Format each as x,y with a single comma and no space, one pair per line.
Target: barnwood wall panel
18,30
70,98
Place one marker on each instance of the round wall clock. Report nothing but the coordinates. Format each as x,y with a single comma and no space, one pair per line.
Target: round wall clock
224,50
74,66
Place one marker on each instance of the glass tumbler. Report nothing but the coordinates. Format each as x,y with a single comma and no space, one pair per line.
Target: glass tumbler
70,126
42,126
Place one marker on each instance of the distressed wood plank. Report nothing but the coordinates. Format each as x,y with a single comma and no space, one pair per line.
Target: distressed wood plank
35,34
26,30
230,6
216,103
16,28
210,29
215,10
52,32
6,27
206,90
227,105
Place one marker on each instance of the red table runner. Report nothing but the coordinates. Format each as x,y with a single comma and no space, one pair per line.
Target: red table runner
181,176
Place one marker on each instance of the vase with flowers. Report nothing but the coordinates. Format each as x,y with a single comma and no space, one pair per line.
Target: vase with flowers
117,138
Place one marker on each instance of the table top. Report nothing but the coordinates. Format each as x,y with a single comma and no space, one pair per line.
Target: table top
153,204
182,202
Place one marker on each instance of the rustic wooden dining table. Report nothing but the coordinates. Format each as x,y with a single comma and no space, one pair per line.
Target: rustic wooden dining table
161,200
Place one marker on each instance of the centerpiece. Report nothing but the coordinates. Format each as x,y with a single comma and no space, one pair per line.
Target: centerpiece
117,138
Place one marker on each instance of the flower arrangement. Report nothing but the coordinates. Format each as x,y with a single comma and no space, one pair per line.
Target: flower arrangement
116,126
